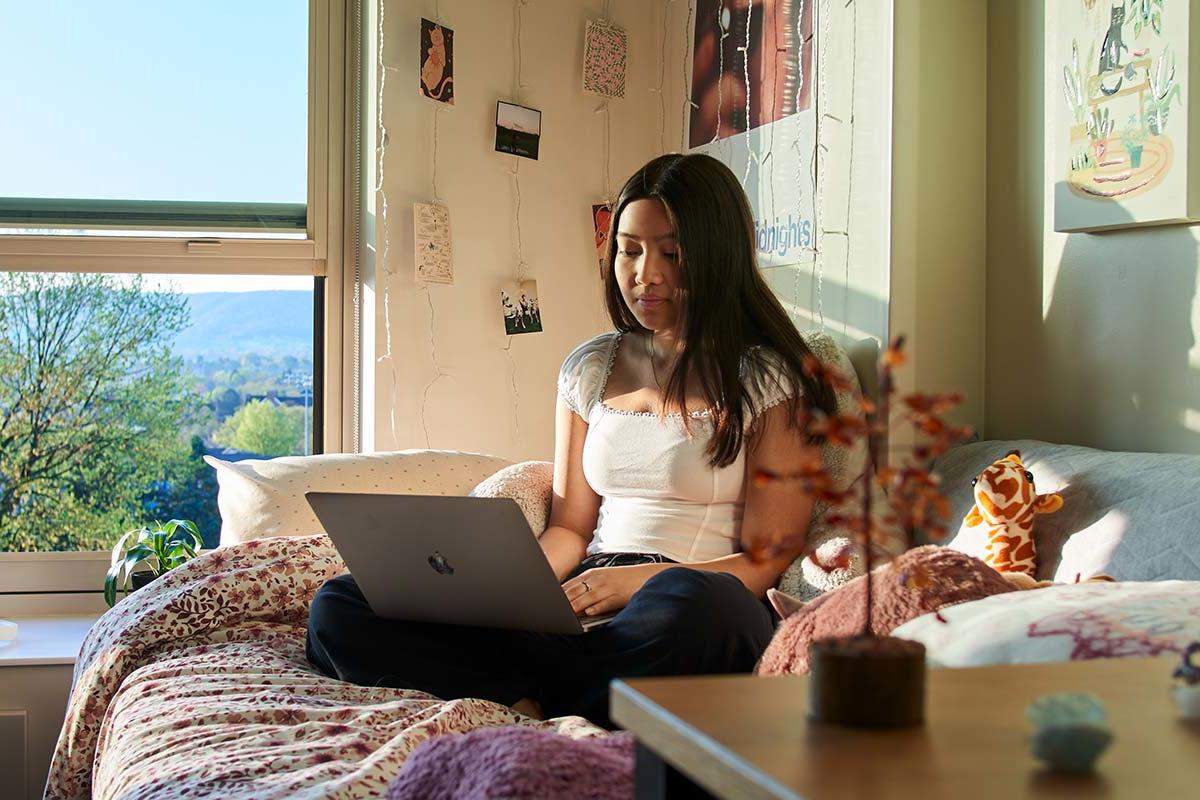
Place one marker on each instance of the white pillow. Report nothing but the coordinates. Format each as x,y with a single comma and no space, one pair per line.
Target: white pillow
261,498
529,484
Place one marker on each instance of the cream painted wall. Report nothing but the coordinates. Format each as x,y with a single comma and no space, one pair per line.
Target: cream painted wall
939,212
465,398
1091,338
452,378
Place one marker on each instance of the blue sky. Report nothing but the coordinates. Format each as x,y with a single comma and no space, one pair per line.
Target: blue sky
154,100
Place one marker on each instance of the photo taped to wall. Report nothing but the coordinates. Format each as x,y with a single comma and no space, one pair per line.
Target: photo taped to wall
601,220
604,55
518,130
433,257
437,62
519,305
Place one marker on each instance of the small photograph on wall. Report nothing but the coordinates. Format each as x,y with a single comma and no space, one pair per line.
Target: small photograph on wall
431,238
601,219
519,305
437,62
604,51
1123,142
518,130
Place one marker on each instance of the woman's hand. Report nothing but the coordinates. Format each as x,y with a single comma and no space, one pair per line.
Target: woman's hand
608,589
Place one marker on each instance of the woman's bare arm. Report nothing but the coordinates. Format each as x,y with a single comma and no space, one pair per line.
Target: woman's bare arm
574,507
775,511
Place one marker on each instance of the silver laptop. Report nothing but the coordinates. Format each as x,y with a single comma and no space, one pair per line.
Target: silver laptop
460,560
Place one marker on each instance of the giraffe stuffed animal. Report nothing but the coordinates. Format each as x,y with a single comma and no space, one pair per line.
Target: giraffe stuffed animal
1006,502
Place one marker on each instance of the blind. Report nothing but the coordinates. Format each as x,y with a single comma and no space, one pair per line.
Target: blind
157,214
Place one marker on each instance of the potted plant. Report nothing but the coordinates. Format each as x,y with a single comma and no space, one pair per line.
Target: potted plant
1099,128
1133,139
157,549
1074,83
1163,89
867,680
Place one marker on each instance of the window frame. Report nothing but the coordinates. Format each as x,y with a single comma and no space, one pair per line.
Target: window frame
332,73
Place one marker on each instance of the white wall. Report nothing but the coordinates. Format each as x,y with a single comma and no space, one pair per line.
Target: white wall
939,212
467,399
486,392
1091,338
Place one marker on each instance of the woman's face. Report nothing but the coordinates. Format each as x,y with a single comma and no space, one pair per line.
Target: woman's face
648,263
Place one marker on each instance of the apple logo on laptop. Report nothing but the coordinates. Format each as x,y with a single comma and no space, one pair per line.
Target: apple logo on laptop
440,564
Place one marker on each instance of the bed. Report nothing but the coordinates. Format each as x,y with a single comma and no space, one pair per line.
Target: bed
197,686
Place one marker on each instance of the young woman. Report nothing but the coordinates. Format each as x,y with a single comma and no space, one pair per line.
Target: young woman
658,424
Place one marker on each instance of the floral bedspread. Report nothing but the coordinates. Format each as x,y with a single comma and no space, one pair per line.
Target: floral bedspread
197,686
1065,622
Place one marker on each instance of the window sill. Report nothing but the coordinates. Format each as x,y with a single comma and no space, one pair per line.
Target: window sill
46,640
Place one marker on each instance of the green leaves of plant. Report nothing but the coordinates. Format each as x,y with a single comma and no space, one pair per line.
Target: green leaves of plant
161,548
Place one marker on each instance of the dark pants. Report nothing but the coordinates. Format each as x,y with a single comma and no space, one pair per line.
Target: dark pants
681,622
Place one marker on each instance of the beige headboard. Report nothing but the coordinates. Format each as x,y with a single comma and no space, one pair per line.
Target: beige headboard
864,357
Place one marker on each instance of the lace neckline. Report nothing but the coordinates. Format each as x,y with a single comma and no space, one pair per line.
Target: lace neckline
614,345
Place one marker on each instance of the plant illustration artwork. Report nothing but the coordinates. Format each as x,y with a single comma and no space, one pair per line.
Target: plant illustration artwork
1136,70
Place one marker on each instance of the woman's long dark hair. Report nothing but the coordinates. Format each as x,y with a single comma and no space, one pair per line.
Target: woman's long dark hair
728,306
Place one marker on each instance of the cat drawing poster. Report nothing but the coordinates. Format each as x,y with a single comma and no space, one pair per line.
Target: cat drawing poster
437,62
1125,151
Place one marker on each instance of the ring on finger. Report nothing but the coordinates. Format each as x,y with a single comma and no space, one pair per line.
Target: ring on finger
586,587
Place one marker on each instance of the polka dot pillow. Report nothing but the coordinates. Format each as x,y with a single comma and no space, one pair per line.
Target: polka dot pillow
261,498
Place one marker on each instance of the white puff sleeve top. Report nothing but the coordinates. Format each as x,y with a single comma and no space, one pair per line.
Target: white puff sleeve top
659,494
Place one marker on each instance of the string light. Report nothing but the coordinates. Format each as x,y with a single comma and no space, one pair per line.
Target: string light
433,357
515,172
438,372
662,73
720,68
380,154
436,113
850,169
750,156
687,95
820,151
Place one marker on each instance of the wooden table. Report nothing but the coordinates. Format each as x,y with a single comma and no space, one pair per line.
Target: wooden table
747,737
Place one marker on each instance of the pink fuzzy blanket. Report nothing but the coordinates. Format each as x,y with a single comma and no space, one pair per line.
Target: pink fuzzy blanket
517,763
953,577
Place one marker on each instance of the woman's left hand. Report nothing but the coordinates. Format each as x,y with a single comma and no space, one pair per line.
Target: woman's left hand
607,589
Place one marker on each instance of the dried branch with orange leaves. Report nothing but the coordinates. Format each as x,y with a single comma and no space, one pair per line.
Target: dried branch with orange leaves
915,505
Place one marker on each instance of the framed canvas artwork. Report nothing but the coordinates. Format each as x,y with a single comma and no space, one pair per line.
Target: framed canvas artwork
1126,137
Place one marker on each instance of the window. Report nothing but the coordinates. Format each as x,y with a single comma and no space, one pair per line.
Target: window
113,388
155,114
171,251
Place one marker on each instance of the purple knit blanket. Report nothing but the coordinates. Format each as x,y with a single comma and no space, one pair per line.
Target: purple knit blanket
513,762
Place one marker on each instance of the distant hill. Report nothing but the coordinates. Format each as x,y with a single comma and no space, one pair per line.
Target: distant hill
271,323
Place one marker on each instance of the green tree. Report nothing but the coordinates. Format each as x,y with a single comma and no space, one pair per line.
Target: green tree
263,428
190,492
91,405
225,402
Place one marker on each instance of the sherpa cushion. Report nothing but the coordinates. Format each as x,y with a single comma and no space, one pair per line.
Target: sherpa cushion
260,498
514,762
806,578
529,484
954,577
